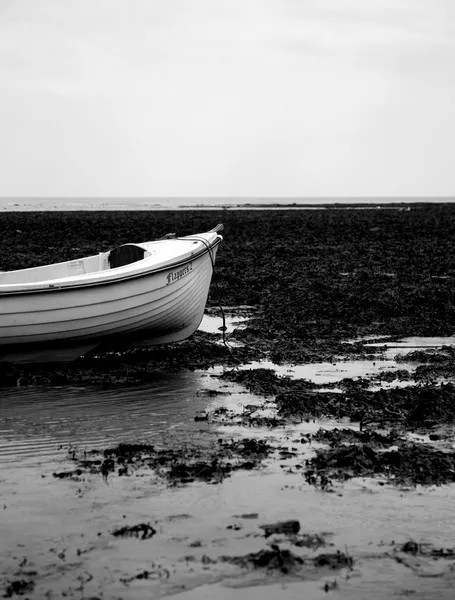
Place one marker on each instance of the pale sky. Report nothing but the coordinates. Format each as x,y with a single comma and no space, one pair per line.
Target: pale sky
227,98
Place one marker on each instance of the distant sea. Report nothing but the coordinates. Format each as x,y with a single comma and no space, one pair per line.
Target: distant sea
77,204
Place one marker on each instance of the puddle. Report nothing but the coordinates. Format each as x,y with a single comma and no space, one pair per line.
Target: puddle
327,372
330,373
410,344
213,323
384,362
333,372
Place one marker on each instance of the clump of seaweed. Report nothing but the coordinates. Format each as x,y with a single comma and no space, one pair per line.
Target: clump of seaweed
263,382
286,527
311,540
334,560
154,573
249,417
411,406
177,465
272,559
18,587
408,464
290,530
336,437
425,549
143,531
445,354
284,561
309,404
74,474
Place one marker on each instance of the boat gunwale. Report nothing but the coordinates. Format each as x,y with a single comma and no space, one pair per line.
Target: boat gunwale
48,286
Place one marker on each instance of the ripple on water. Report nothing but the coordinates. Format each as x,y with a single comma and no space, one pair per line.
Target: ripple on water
34,422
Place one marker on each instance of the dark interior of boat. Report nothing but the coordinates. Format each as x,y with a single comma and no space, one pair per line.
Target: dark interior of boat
125,255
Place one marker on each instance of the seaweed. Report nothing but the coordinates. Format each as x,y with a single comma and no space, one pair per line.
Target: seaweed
412,406
18,587
287,527
155,573
407,464
177,465
284,561
315,277
271,559
425,549
142,531
336,437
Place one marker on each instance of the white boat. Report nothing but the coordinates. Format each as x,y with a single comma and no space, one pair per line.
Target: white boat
147,293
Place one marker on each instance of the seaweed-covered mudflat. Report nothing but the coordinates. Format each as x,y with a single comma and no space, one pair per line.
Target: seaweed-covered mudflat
308,448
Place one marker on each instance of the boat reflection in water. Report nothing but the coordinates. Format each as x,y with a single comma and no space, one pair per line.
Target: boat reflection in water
35,422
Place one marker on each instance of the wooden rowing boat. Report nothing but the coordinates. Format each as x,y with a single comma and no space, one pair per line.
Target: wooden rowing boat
148,293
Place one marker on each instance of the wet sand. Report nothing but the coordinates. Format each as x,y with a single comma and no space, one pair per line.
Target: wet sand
312,457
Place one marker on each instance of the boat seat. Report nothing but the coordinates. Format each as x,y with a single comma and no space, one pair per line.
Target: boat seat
125,255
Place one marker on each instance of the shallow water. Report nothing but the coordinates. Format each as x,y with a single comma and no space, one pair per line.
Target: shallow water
62,529
410,344
384,361
326,372
213,322
35,422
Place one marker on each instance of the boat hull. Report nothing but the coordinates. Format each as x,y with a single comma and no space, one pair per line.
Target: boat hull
155,307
